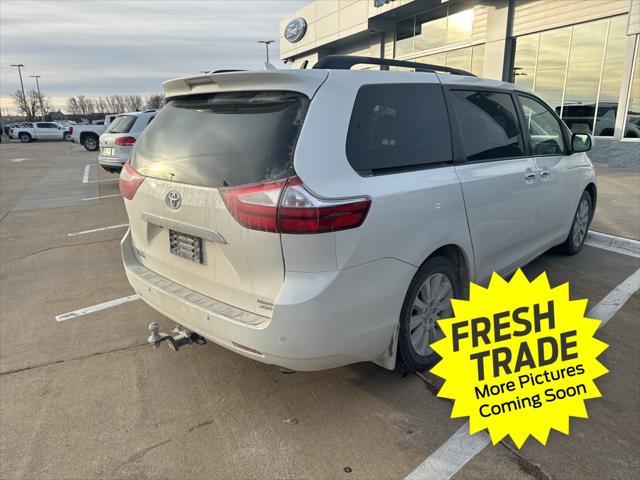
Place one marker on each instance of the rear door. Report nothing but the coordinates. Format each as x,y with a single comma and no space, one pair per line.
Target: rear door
180,226
499,180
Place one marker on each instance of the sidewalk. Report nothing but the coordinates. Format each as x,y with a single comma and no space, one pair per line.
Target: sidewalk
618,209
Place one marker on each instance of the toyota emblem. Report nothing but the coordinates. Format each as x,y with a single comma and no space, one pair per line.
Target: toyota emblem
173,200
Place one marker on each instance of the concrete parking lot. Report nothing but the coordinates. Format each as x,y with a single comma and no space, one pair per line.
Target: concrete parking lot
88,398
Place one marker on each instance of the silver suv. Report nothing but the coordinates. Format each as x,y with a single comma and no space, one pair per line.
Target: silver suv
117,142
316,218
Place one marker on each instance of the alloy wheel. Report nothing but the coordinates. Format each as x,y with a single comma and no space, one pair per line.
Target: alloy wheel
432,302
581,223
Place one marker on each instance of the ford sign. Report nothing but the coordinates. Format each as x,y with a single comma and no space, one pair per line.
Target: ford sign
295,30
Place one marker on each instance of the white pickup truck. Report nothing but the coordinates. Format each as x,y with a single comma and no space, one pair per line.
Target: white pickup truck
88,135
28,132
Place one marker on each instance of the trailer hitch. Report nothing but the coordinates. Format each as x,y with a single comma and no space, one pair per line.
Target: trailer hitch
180,337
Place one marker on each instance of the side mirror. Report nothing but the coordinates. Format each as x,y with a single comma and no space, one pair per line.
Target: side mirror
581,142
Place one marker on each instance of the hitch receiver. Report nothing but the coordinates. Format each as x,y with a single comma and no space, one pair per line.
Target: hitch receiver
181,337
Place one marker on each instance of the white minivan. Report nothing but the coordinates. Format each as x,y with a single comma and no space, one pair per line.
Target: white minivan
315,218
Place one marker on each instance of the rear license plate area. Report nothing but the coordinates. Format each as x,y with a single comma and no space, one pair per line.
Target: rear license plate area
185,246
107,151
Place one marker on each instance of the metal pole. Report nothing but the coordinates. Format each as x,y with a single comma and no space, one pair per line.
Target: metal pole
266,44
24,98
39,96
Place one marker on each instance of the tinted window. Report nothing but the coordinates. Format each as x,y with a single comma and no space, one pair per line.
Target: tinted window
398,126
47,125
488,124
223,139
544,128
122,124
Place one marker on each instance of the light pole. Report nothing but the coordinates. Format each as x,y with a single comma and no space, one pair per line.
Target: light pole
39,96
266,44
24,98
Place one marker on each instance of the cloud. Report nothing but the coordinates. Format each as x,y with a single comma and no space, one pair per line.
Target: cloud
102,47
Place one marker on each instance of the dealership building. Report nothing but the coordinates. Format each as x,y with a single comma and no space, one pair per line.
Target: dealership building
581,56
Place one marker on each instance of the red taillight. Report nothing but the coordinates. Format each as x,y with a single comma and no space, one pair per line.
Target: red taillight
125,141
286,206
130,181
255,206
70,130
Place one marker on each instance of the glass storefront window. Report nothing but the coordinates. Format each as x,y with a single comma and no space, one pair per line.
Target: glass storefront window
611,77
431,34
583,75
459,59
459,27
577,70
404,37
477,60
424,32
552,65
632,122
524,65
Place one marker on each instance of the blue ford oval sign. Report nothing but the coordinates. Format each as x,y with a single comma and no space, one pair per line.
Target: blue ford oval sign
295,30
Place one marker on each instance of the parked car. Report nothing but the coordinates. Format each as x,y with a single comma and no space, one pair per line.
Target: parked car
118,140
315,218
28,132
88,135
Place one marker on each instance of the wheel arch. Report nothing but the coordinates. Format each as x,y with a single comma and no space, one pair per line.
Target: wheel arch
460,259
593,191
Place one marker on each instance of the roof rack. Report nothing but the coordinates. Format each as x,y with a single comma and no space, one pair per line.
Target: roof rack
345,62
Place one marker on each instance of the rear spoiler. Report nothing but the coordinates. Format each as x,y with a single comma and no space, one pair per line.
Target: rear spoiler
306,82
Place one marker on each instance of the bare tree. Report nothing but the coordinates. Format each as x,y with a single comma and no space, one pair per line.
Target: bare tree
133,103
81,105
154,101
27,103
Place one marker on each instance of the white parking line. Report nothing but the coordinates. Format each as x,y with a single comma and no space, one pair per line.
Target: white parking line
96,308
111,227
104,180
103,196
624,246
454,454
615,299
18,160
85,178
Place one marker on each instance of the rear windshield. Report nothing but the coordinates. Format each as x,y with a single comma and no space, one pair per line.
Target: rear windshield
122,124
223,139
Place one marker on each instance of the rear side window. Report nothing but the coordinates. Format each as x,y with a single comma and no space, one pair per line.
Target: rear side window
398,126
223,139
488,125
122,124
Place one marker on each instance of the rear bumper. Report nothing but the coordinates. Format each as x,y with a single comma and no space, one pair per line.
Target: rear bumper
320,320
111,162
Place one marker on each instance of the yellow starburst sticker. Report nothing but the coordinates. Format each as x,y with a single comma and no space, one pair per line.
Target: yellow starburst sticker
519,358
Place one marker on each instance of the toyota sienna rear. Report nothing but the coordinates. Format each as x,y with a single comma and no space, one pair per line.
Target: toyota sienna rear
315,218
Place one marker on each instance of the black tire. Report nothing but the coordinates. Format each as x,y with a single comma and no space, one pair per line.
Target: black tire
24,137
65,137
90,142
407,353
574,242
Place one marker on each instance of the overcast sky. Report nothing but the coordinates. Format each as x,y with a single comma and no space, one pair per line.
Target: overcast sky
104,47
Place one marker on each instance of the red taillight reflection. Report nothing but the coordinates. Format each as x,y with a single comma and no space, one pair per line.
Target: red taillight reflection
125,141
130,181
286,206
